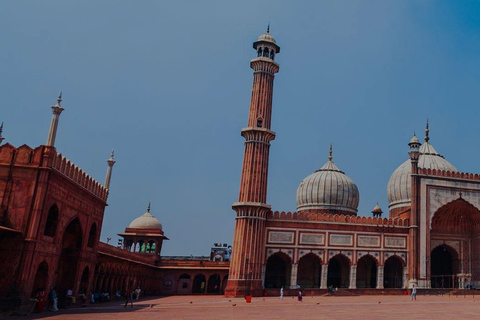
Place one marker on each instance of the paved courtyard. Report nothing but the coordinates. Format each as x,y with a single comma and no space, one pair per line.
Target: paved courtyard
217,307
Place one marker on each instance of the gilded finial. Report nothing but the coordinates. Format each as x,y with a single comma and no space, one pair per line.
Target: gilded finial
268,28
426,132
148,209
1,128
112,154
330,157
59,99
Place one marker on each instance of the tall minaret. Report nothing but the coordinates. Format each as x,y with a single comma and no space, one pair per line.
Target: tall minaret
108,176
248,256
52,133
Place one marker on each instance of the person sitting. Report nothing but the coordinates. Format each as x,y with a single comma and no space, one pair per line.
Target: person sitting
82,297
70,298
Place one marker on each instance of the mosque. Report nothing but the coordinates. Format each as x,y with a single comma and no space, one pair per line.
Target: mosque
52,212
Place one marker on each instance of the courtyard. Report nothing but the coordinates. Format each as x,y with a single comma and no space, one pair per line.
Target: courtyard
315,307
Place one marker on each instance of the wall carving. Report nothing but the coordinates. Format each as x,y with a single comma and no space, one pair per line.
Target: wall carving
368,241
310,238
395,242
341,239
280,237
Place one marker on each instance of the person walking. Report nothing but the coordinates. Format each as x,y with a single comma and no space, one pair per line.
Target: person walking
54,298
137,293
281,294
129,297
414,293
299,295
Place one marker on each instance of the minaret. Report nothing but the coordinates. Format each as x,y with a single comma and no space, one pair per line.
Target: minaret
108,177
248,256
52,133
1,130
413,260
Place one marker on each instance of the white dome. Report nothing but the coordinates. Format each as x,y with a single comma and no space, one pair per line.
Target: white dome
328,189
399,185
267,37
146,221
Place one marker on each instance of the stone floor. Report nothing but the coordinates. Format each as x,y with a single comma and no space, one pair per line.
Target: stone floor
217,307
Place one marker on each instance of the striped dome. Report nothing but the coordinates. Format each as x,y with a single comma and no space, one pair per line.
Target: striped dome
328,189
399,185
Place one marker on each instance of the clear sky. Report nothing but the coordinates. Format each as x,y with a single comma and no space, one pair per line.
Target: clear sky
168,85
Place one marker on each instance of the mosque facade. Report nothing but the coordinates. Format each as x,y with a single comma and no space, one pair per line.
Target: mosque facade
430,238
52,212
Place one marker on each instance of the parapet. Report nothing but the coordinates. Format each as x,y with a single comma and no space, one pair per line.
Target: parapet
449,174
64,166
337,218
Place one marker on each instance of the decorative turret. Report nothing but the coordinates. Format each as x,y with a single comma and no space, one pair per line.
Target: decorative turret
377,211
108,177
52,133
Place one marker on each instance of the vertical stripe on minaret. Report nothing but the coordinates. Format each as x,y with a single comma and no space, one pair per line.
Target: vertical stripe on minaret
246,264
52,133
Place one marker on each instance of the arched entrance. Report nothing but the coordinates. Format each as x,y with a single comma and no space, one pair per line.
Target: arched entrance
199,283
69,258
184,284
367,272
41,277
338,274
309,271
454,225
277,271
213,284
84,282
444,267
393,273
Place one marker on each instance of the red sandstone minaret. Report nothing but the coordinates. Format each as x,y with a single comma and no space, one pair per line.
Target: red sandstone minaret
246,266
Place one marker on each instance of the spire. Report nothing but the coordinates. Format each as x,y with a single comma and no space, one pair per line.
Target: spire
268,28
426,132
57,110
330,157
59,99
1,130
148,209
108,176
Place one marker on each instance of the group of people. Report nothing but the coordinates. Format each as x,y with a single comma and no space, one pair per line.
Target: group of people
42,298
299,295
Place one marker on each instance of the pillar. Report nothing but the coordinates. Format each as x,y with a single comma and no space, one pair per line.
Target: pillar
52,133
293,275
323,281
108,176
380,277
353,277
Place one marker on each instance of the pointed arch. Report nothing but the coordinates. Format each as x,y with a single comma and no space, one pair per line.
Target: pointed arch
92,236
278,270
52,221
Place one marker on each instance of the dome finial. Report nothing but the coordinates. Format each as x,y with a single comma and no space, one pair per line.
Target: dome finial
268,27
330,157
426,132
59,99
148,209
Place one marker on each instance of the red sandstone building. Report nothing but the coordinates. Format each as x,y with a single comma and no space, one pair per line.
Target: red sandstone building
430,239
51,215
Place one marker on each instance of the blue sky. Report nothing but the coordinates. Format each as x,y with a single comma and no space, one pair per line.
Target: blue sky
168,84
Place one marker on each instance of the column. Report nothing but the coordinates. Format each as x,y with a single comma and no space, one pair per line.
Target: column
293,275
323,282
353,277
380,277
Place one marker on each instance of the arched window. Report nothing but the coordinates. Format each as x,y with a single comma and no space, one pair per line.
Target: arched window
92,237
259,53
259,122
272,55
52,221
265,52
